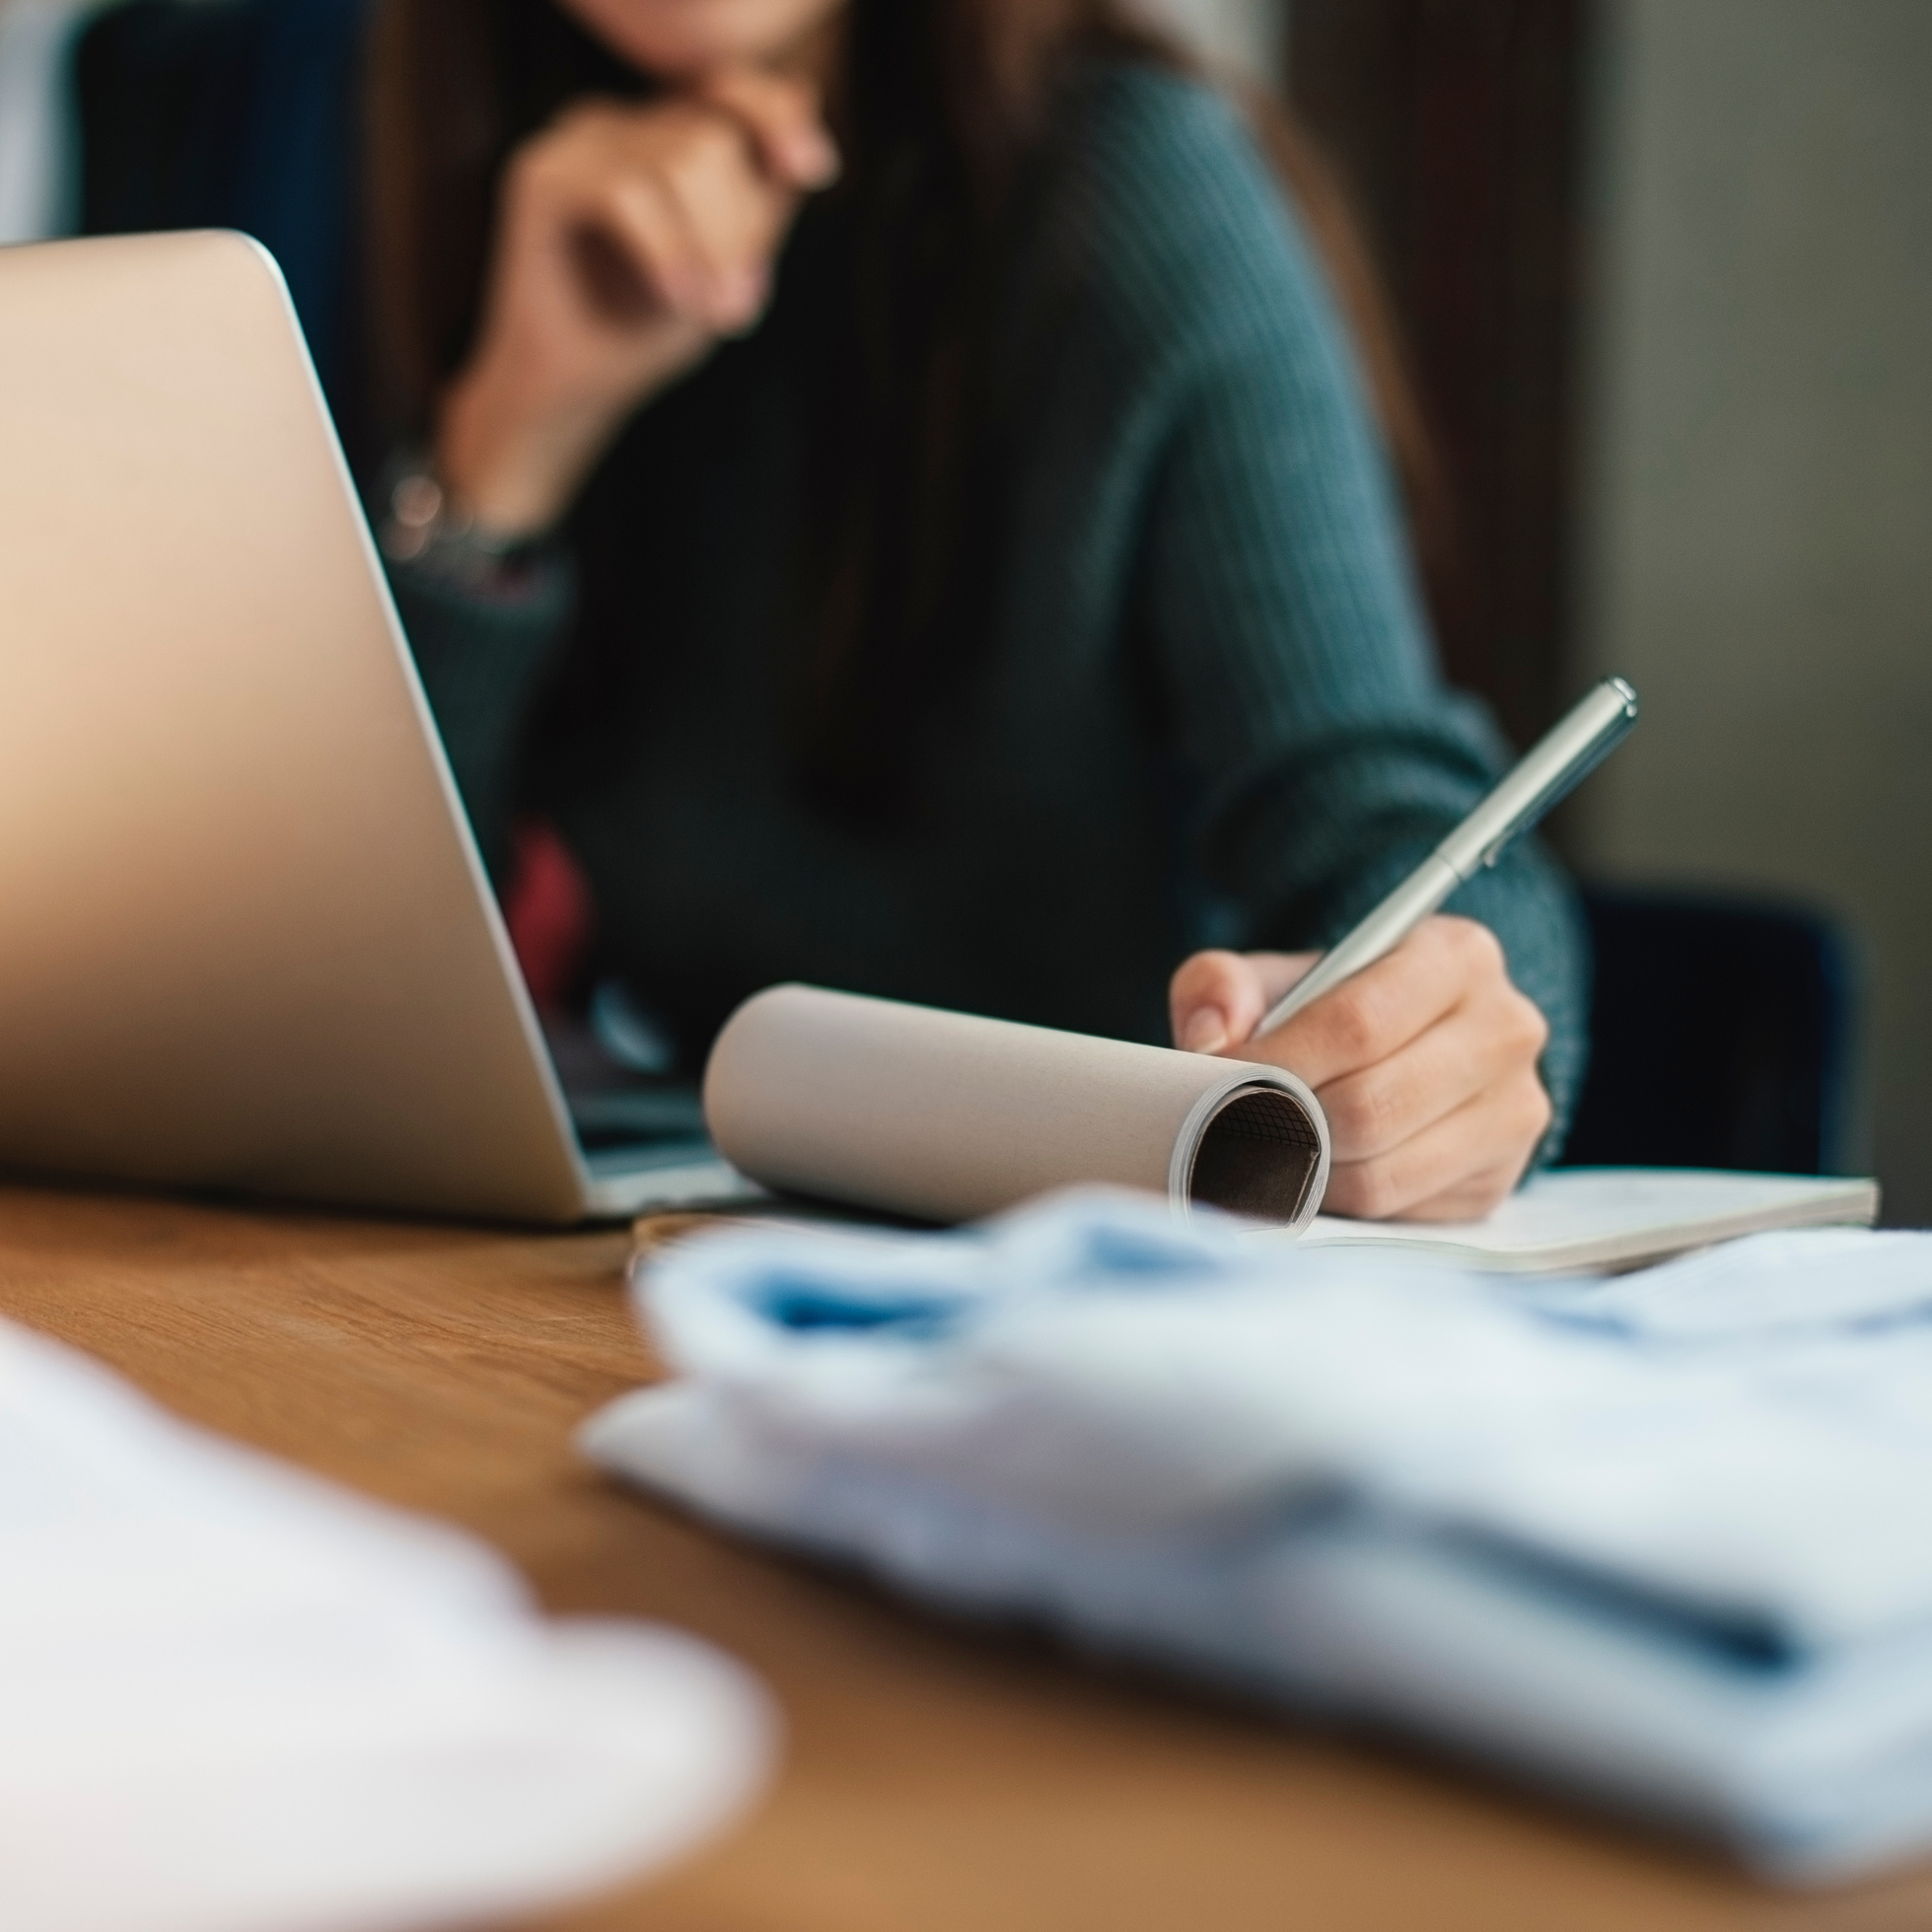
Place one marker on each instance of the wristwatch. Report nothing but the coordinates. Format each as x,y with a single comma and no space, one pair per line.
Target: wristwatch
428,529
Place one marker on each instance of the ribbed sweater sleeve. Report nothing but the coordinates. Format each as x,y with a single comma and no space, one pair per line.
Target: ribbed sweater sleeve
482,656
1274,588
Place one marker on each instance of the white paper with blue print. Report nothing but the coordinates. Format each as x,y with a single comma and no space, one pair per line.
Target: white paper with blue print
1666,1539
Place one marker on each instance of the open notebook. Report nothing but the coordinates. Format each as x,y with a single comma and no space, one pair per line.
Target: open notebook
906,1111
1602,1219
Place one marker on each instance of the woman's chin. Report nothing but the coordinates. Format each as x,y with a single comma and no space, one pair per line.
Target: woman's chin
678,39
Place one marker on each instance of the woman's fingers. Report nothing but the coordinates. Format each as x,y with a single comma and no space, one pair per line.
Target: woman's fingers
781,117
1366,1020
1457,1168
630,238
1216,999
680,190
1476,1048
1425,1064
1472,1196
722,227
733,214
636,215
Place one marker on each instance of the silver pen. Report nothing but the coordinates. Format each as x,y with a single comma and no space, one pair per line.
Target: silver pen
1559,762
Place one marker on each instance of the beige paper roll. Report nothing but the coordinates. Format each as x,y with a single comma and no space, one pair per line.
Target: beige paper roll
946,1116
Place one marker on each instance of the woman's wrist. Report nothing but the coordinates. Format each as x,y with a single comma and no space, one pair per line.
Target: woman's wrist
514,473
424,528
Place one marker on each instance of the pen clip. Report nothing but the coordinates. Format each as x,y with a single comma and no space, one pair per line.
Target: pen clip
1560,787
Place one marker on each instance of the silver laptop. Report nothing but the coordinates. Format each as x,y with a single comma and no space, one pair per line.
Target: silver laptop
246,941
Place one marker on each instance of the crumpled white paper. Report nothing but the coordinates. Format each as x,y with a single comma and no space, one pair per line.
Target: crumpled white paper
235,1698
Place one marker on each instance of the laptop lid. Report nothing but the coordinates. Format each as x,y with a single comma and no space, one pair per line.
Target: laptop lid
248,943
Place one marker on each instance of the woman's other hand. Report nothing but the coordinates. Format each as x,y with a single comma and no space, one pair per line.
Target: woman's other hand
1425,1064
630,238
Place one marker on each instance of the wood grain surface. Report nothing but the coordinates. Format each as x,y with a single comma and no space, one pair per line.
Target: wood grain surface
936,1778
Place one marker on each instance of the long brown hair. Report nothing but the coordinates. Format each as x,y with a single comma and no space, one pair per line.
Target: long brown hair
938,105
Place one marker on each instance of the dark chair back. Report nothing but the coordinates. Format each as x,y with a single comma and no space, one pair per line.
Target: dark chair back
1720,1036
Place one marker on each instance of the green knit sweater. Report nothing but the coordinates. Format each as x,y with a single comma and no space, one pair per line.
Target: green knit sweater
1204,709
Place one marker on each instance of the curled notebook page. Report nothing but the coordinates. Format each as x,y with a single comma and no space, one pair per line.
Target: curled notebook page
945,1116
239,1700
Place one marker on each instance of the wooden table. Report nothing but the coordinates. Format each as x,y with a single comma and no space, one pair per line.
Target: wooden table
937,1779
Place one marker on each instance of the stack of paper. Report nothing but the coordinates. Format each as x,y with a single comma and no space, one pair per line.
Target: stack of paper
231,1697
1664,1539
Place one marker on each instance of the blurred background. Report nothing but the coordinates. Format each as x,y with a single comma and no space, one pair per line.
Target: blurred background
1665,273
1664,270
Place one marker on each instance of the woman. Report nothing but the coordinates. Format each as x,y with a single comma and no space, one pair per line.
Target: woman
885,482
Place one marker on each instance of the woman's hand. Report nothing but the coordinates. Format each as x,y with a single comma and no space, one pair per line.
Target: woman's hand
629,241
1425,1064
